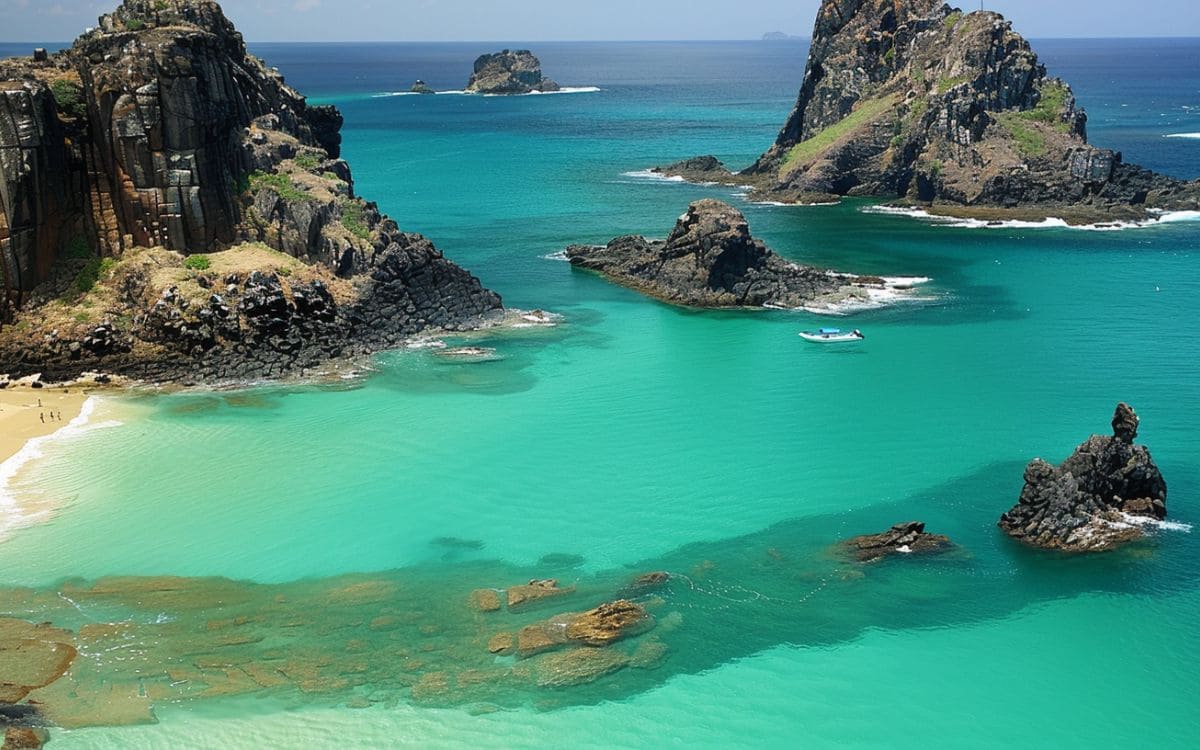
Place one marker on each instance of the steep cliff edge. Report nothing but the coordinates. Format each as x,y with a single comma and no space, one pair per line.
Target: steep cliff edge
158,130
915,100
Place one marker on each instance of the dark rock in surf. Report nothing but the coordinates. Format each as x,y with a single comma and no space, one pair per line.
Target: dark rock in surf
1096,500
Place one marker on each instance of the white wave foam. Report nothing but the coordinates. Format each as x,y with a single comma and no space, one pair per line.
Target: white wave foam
560,255
1160,217
460,92
1162,525
11,513
894,290
1183,135
788,205
650,174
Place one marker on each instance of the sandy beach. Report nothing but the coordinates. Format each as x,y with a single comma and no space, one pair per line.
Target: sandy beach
27,413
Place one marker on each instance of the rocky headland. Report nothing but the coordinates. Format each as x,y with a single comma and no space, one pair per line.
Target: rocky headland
710,259
1096,500
923,104
173,211
509,72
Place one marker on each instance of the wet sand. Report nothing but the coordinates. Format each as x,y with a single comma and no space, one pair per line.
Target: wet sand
22,419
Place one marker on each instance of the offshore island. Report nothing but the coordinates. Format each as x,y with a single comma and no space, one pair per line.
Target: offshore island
926,106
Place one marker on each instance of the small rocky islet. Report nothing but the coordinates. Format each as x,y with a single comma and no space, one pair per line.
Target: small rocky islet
509,72
919,103
1101,497
710,259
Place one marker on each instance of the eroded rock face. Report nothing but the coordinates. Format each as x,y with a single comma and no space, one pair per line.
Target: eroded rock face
916,100
159,129
509,72
901,539
710,259
1091,502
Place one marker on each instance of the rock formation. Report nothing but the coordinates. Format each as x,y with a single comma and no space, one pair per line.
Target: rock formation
917,101
509,72
901,539
711,260
1095,499
158,129
420,87
599,627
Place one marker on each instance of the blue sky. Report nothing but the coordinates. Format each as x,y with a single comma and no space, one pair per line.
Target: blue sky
536,20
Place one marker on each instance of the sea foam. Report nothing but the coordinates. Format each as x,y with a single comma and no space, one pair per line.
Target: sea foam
12,514
1161,217
460,92
1195,136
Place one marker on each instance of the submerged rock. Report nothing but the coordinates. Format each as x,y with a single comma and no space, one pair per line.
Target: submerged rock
578,666
534,591
1093,501
697,169
509,72
903,538
24,738
710,259
599,627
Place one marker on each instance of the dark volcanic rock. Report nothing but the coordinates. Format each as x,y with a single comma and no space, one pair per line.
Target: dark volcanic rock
509,72
903,538
916,100
1091,502
420,87
709,260
697,169
158,129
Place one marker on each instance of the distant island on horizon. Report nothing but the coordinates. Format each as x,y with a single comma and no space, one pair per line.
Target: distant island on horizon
780,36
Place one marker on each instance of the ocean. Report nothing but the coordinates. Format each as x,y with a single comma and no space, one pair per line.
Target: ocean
341,527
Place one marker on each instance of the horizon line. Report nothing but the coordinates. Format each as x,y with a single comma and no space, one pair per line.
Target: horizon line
596,41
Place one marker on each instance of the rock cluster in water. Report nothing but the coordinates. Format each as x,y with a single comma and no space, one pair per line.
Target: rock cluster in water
158,129
1092,501
917,100
710,259
509,72
903,538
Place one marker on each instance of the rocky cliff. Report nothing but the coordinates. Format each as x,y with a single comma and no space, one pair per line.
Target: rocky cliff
158,129
710,259
915,100
509,72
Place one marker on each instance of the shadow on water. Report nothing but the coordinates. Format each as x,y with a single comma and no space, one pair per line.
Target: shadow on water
413,635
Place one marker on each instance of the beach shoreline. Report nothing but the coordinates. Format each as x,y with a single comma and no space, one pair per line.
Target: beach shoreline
27,413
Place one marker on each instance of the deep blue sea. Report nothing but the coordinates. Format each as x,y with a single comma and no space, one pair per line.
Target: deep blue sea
714,445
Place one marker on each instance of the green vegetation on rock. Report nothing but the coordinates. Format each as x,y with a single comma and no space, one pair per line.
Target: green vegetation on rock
1030,142
91,273
280,183
354,220
945,84
953,19
806,151
197,263
1050,107
307,161
68,95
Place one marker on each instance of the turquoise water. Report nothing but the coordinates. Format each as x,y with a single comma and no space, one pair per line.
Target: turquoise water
714,445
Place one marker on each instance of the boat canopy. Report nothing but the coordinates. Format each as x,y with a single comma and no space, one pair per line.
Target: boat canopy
830,331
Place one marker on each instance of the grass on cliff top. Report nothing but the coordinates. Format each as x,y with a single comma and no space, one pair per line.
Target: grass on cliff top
280,183
1050,106
807,151
1029,140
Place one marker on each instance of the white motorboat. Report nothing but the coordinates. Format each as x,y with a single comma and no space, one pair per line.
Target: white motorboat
832,336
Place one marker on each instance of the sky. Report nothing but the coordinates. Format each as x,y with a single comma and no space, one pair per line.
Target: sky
563,20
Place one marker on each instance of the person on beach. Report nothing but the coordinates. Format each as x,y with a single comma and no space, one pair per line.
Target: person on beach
43,416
